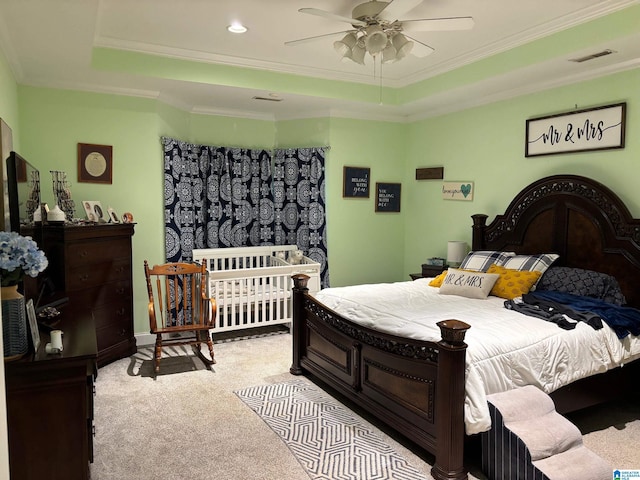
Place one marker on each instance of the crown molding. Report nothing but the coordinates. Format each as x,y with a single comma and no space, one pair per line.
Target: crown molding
228,112
479,101
227,60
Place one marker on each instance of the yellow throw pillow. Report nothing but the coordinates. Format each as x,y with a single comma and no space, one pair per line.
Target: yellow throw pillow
436,282
513,283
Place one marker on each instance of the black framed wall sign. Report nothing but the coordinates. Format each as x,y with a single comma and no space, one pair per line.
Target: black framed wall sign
356,182
388,197
599,128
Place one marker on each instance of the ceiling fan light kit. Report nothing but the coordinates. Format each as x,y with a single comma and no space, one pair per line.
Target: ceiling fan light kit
378,30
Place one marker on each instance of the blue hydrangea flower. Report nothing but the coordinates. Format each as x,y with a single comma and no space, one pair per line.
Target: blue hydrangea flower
19,256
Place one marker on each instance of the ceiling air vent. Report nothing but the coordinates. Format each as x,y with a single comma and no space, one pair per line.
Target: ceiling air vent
586,58
268,99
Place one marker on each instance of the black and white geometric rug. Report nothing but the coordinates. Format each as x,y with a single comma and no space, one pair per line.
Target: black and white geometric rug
329,440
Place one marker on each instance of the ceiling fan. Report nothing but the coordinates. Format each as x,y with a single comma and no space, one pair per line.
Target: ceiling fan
379,30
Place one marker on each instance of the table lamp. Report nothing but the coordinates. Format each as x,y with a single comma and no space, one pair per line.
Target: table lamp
456,251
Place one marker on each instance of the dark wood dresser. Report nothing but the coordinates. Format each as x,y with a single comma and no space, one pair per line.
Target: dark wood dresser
92,266
50,406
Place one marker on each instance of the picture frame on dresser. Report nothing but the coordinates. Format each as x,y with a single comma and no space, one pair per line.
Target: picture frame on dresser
33,325
94,210
113,216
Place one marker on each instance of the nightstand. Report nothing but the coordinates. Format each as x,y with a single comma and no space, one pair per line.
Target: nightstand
429,271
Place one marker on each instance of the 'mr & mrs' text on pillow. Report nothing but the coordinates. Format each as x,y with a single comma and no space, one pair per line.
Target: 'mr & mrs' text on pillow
468,284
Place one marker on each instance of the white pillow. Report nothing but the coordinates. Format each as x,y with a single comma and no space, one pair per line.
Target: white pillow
468,284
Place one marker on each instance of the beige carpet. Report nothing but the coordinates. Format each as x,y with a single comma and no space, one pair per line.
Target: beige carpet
188,423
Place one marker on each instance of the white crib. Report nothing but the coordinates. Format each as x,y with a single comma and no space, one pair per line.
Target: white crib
252,285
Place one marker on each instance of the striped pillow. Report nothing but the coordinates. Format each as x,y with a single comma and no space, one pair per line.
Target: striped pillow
538,263
481,260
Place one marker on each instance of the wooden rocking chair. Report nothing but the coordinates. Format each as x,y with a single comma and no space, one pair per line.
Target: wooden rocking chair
179,308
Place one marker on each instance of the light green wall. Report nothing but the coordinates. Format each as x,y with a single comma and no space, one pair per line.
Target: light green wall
364,246
55,121
232,132
355,232
486,146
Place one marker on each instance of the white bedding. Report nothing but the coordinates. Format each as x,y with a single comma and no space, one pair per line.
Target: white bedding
506,349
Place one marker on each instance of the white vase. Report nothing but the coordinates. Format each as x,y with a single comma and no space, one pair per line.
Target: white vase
14,323
56,215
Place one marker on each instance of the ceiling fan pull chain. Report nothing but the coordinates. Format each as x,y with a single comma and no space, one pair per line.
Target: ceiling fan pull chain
380,81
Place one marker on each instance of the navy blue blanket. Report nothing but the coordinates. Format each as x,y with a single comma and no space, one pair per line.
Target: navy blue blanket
623,320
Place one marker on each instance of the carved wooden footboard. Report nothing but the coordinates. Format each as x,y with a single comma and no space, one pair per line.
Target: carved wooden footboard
414,386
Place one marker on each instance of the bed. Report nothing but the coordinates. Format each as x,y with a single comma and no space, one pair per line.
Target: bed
252,285
418,386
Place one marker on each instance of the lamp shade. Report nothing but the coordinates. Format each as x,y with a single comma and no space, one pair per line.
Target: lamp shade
375,39
456,251
356,54
402,45
389,53
344,46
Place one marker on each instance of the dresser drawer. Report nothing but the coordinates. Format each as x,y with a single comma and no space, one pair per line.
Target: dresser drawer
114,324
85,276
96,251
102,294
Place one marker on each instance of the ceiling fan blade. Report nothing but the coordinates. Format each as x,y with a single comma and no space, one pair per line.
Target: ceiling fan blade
332,16
438,24
420,49
300,41
395,9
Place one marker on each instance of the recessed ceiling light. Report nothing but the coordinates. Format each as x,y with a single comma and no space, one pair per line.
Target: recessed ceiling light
237,27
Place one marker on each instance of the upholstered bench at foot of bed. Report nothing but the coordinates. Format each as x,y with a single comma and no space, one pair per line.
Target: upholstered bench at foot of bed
530,440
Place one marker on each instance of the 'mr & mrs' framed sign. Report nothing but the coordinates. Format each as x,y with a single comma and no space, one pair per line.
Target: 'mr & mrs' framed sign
600,128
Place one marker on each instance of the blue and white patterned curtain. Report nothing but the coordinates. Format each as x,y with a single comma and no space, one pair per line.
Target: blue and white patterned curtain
228,197
215,197
299,198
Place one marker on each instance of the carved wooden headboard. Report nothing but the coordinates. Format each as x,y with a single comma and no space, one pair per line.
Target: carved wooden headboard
576,217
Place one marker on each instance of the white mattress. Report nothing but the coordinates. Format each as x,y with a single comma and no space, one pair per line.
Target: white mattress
506,349
238,293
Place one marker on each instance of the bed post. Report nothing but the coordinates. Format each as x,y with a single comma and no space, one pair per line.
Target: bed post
479,225
299,290
449,403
